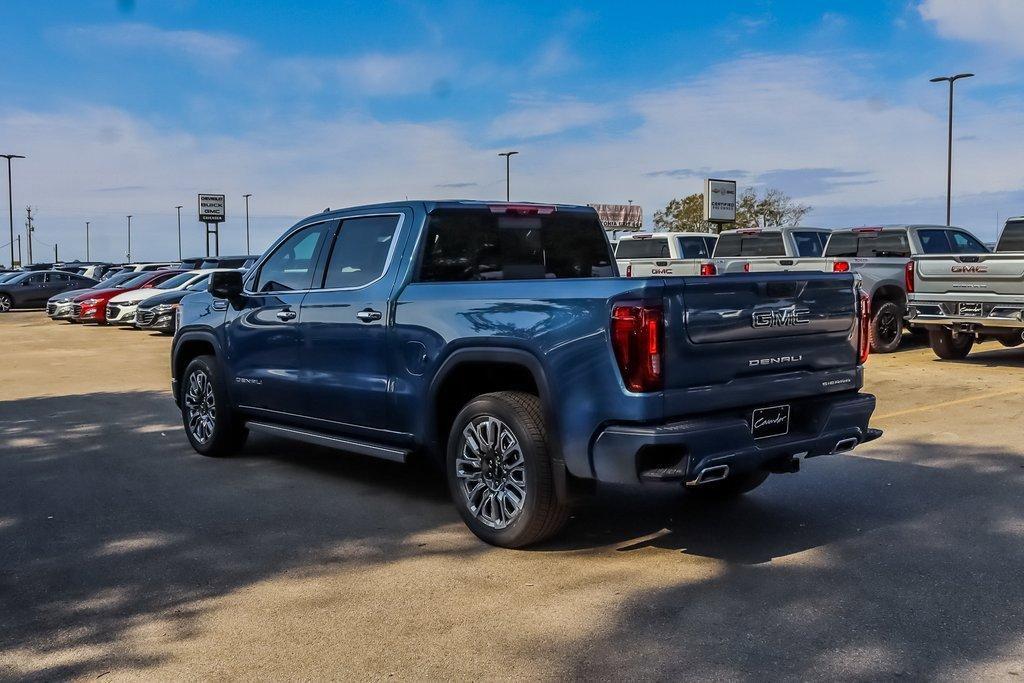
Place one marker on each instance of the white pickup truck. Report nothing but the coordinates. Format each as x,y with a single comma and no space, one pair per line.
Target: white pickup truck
666,254
962,298
759,250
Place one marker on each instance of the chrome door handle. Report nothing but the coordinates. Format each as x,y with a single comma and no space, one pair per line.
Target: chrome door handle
285,316
368,315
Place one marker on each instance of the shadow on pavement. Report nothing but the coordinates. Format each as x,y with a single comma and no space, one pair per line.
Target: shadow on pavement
908,565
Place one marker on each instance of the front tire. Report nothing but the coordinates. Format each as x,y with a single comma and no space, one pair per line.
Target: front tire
886,327
500,472
211,425
948,347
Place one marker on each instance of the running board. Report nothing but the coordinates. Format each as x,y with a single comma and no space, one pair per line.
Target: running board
331,441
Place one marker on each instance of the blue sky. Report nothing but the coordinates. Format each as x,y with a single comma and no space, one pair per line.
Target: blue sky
134,107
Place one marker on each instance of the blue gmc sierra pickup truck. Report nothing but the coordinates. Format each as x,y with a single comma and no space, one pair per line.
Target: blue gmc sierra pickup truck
497,339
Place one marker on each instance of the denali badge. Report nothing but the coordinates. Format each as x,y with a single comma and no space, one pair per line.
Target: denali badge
757,362
782,317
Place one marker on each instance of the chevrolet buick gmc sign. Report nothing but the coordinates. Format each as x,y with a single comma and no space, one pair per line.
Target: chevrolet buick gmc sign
719,201
211,208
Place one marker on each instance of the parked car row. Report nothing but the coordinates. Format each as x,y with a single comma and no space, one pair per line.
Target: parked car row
890,261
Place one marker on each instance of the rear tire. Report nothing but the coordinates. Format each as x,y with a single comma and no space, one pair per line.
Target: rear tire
6,303
730,487
500,472
886,330
211,425
947,347
1010,342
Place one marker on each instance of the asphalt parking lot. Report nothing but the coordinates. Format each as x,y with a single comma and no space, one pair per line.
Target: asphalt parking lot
125,555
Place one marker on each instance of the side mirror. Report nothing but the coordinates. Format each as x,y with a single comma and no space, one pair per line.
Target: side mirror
226,284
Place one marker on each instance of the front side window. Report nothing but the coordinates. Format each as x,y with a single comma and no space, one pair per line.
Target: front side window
962,243
360,251
292,263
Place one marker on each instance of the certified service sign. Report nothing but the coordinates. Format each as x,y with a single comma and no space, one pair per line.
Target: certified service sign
719,201
211,208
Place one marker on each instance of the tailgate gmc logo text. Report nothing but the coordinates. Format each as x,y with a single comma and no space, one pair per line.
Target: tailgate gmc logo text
782,317
969,269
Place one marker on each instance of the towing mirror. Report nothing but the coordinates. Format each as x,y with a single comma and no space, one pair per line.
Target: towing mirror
226,284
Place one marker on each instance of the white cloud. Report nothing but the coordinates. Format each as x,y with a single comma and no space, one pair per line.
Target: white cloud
197,46
370,74
991,23
535,117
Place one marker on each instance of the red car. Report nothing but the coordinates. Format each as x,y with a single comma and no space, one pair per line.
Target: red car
91,307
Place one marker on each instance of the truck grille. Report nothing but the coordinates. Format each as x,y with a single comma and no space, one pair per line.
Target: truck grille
144,318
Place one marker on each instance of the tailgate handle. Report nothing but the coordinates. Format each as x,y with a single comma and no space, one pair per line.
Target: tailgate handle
969,259
786,262
661,263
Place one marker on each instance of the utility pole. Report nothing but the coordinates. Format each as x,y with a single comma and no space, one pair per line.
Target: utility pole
128,254
179,231
247,250
55,258
507,155
10,201
87,240
19,250
28,231
949,148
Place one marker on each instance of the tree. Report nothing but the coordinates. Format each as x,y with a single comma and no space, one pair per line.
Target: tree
773,209
684,215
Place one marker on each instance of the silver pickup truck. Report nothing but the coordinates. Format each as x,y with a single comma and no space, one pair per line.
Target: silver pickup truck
663,254
880,256
964,297
758,250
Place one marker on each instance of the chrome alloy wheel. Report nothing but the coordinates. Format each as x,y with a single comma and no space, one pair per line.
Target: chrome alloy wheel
5,303
492,471
201,407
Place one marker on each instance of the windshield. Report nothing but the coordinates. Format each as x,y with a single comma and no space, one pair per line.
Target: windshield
135,281
199,284
644,247
115,280
4,277
176,281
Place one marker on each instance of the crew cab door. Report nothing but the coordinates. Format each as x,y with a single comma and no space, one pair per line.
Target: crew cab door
262,334
33,290
345,323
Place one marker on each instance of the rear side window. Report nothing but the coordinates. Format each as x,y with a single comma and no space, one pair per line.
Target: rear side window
763,244
1012,238
809,243
646,247
465,245
694,247
292,263
360,251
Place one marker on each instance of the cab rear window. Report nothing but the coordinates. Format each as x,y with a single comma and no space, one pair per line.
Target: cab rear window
650,247
763,244
889,244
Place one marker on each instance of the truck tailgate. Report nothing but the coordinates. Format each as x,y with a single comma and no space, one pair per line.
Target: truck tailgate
970,274
739,340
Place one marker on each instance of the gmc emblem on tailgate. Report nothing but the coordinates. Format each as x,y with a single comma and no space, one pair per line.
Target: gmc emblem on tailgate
969,269
782,317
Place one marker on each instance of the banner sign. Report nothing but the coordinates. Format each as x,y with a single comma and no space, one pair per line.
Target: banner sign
211,208
619,215
719,201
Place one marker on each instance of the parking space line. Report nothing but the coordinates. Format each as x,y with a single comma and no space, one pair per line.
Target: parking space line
944,404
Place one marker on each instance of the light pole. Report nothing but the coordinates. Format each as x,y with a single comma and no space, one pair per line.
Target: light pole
949,155
10,200
179,231
247,250
507,155
128,254
87,240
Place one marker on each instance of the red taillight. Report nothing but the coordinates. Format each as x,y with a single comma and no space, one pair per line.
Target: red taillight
746,267
908,277
864,327
841,267
629,270
708,269
636,339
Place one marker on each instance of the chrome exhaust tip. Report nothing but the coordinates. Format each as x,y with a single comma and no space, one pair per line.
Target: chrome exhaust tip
710,474
846,445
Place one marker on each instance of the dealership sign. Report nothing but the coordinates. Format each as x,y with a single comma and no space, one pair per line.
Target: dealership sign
211,208
619,215
719,201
